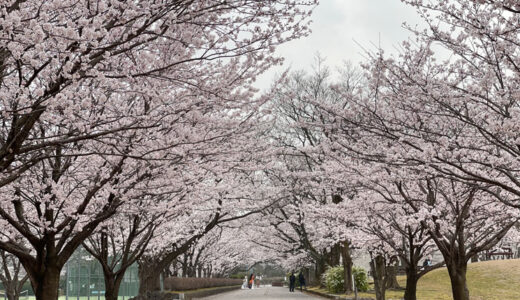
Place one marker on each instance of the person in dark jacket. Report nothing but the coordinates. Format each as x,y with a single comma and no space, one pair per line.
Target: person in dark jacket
292,280
301,279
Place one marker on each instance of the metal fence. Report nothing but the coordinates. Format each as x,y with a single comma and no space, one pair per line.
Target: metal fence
85,281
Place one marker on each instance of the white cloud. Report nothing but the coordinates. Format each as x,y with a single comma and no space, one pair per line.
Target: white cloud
339,26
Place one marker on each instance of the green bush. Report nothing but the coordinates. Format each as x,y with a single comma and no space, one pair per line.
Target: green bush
360,278
239,275
333,279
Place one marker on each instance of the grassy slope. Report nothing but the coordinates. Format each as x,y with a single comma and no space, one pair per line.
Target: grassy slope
491,280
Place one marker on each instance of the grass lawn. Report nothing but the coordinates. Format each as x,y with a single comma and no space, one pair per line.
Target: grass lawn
490,280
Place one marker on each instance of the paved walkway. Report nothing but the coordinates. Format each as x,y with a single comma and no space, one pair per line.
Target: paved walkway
262,293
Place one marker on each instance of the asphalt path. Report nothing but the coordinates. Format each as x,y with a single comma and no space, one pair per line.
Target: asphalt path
261,293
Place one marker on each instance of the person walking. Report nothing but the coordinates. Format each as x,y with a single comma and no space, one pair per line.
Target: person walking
301,279
251,280
292,281
245,283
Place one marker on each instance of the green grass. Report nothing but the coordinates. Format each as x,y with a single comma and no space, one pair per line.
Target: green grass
490,280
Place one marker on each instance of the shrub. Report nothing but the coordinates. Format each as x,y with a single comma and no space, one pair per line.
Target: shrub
239,275
333,279
190,283
360,278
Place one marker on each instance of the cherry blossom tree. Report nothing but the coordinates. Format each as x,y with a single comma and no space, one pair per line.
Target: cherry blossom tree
443,131
299,134
475,89
93,92
230,186
381,137
120,244
461,219
381,226
60,58
456,119
224,250
12,275
410,244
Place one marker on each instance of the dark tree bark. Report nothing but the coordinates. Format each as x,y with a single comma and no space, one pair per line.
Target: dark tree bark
410,293
45,281
391,277
333,256
459,287
320,268
149,275
325,259
112,285
347,267
377,265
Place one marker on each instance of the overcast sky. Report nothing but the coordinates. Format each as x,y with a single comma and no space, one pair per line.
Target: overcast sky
339,28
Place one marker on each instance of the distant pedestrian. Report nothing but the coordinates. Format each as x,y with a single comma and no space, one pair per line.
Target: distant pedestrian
245,283
301,279
251,280
257,281
427,263
292,281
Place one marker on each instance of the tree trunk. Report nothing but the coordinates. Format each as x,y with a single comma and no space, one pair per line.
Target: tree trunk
410,292
307,274
192,271
457,274
14,286
149,277
112,284
320,269
391,278
332,257
46,283
12,294
378,273
347,267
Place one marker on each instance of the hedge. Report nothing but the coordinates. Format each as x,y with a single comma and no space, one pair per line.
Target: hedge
191,283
